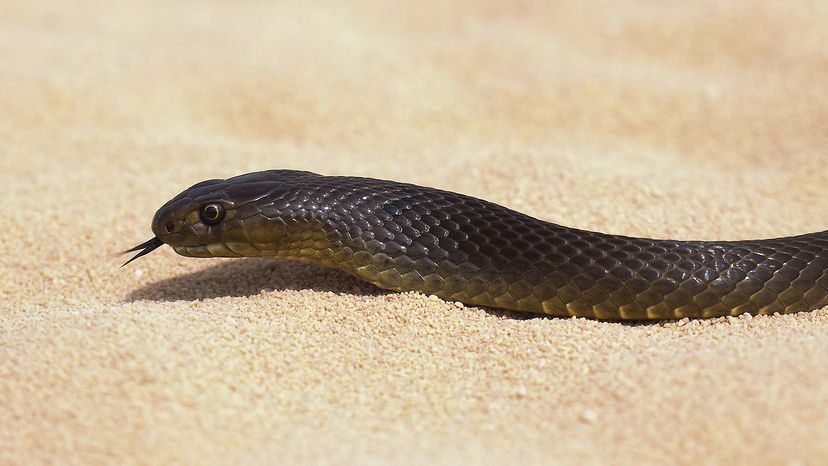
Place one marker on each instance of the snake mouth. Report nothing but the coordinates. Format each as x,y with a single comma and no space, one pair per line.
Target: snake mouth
206,250
144,248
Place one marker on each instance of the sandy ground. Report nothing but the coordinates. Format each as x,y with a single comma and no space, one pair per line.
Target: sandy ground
702,120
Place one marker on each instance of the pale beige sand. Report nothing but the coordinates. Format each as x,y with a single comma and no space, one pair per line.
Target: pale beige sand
669,119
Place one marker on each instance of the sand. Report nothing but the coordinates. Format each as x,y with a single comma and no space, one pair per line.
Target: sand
689,120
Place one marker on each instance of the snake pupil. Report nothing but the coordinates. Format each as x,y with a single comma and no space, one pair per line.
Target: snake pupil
169,226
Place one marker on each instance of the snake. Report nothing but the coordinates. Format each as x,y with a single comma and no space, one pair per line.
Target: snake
403,237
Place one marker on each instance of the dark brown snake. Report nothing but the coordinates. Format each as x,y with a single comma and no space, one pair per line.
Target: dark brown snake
404,237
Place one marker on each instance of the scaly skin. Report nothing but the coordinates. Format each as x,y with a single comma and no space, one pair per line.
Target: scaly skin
404,237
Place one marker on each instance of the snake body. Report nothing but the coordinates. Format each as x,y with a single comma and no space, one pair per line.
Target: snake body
405,237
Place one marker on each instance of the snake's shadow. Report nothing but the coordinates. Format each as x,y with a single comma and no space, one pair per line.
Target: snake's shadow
249,277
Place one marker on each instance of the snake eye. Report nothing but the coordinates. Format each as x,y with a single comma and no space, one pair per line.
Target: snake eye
212,213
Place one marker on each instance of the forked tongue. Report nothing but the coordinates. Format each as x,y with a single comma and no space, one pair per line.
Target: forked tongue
145,248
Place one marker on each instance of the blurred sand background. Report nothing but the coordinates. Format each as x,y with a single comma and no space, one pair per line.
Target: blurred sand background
692,120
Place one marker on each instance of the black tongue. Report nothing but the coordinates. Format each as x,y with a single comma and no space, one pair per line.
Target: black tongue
145,247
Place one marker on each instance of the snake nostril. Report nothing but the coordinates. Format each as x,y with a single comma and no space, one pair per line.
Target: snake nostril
169,226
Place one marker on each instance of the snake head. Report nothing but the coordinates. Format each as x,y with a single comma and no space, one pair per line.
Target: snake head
235,217
193,222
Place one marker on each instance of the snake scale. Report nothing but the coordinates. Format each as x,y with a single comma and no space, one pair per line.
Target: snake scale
405,237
